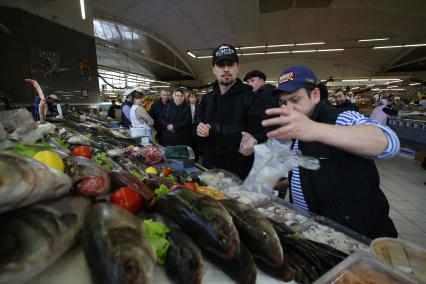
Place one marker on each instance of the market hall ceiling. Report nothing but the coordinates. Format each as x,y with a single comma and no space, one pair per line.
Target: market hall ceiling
201,25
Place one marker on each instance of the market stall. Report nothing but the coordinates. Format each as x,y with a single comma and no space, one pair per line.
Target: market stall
234,235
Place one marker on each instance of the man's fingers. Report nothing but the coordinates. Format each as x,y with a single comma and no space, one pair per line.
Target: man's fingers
275,121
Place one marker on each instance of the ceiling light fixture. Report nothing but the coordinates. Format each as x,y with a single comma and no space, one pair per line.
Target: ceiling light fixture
281,45
252,47
387,46
330,49
206,56
414,84
415,45
191,54
311,43
398,46
304,51
278,52
253,53
160,86
83,10
374,39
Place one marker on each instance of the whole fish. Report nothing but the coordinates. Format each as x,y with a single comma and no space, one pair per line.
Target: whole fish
184,262
24,181
88,178
115,246
241,268
256,232
34,237
204,219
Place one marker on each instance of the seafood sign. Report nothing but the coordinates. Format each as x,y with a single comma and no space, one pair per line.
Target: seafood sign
116,248
88,178
24,181
204,219
34,237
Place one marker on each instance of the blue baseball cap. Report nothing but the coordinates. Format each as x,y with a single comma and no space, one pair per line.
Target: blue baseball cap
295,78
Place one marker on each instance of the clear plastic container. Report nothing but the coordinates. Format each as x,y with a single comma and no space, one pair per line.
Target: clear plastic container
220,179
362,267
405,256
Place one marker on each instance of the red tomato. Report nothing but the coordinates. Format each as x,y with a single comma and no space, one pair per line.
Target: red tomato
82,151
127,198
191,185
166,171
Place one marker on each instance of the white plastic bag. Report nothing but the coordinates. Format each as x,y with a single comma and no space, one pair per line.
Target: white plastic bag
273,160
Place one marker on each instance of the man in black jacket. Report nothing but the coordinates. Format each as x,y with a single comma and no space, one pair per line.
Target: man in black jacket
342,101
157,112
222,115
263,99
346,187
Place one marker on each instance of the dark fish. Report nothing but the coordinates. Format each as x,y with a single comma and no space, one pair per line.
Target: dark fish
25,181
184,262
34,237
204,219
88,178
120,179
116,248
256,232
241,267
154,182
283,272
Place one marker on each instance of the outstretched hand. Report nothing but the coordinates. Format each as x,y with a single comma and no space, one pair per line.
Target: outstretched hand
293,124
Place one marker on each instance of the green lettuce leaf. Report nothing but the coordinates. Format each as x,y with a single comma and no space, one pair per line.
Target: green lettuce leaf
157,232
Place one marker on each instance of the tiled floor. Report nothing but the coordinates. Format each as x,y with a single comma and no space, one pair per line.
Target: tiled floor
402,180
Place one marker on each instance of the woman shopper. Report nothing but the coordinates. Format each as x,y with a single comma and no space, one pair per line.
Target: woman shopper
139,117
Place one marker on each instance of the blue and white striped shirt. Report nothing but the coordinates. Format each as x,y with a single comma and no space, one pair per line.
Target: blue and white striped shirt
346,118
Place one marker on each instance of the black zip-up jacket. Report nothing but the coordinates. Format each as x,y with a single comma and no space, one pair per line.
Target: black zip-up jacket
347,105
228,115
346,187
180,117
263,99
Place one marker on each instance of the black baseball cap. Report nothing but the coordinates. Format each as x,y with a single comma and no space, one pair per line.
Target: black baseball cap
255,73
225,52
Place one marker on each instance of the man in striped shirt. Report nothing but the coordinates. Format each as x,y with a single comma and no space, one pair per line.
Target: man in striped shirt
346,187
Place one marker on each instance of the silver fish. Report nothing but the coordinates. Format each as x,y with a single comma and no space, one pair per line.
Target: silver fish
116,248
24,181
34,237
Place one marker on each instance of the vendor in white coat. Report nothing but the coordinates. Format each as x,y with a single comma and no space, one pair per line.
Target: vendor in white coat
139,117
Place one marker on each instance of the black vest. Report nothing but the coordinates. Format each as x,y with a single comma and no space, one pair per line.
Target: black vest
346,187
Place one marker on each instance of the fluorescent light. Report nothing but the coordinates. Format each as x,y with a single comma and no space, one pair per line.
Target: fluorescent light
331,49
311,43
303,51
277,52
206,56
281,45
254,53
376,89
250,47
354,80
414,45
159,86
387,46
83,10
390,79
390,87
397,89
271,81
373,39
191,54
414,84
